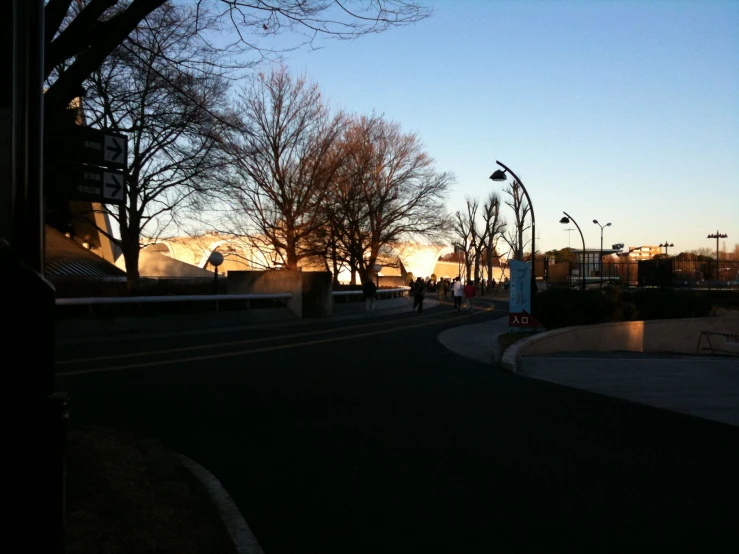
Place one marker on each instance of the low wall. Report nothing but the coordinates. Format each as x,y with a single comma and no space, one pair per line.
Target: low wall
394,281
311,290
678,336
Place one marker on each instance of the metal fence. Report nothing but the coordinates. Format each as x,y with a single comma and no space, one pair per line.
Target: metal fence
659,273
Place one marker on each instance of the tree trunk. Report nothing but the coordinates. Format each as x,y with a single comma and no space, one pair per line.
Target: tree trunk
131,251
353,269
477,268
335,264
291,256
519,250
490,265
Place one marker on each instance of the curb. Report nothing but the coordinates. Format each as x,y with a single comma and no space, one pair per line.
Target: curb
238,531
511,356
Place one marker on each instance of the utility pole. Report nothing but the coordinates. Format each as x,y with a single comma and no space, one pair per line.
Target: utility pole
717,235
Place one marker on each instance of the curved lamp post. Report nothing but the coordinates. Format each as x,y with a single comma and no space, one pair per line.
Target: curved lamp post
666,245
566,219
600,262
499,175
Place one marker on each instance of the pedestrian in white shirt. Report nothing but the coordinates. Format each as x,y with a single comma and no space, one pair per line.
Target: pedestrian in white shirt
458,292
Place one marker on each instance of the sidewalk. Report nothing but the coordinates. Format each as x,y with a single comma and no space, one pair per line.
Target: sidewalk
700,386
478,341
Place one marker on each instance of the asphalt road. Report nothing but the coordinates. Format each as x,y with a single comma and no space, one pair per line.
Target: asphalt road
370,437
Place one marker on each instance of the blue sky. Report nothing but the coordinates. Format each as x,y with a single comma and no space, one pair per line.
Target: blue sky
625,111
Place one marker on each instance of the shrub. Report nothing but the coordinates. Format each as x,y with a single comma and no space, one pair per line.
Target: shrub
557,308
669,304
565,307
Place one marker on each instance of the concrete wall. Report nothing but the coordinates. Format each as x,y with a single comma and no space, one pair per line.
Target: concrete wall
268,282
452,269
661,335
316,293
394,281
154,264
311,291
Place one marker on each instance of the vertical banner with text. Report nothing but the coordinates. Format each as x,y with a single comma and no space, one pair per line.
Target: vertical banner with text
519,304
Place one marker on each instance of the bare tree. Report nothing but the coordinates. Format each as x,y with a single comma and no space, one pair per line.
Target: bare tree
81,34
494,226
466,235
515,236
284,160
387,190
174,143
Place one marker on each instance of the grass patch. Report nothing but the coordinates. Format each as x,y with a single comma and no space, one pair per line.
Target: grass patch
126,496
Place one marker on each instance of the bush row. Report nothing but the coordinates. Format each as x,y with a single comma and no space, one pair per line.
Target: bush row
557,308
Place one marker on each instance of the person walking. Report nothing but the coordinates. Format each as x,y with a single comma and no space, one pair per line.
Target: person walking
457,292
370,294
441,288
418,294
469,294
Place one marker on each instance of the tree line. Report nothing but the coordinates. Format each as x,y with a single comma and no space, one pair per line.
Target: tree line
256,155
262,154
482,235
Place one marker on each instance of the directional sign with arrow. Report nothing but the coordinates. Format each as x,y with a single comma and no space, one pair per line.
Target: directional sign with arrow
88,146
115,149
113,187
87,182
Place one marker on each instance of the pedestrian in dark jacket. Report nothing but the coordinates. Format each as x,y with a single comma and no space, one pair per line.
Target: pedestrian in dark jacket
370,294
418,295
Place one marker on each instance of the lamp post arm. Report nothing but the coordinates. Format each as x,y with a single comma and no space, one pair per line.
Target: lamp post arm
533,217
579,230
582,269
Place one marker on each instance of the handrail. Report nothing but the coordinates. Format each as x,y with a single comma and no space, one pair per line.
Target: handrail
198,297
357,292
155,299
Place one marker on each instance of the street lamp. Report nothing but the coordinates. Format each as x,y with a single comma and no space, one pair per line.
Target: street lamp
215,259
499,175
566,220
717,236
377,268
600,263
666,245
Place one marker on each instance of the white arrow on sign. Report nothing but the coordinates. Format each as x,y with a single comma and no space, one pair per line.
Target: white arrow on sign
115,149
113,188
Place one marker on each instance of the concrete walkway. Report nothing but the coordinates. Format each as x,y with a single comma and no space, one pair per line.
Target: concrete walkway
700,386
478,341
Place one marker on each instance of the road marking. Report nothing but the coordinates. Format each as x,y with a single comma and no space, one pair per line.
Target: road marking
254,351
231,343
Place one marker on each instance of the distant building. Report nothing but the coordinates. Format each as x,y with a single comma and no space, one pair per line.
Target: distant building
637,253
187,256
589,262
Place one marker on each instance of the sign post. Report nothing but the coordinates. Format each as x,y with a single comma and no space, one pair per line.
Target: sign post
519,305
90,163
